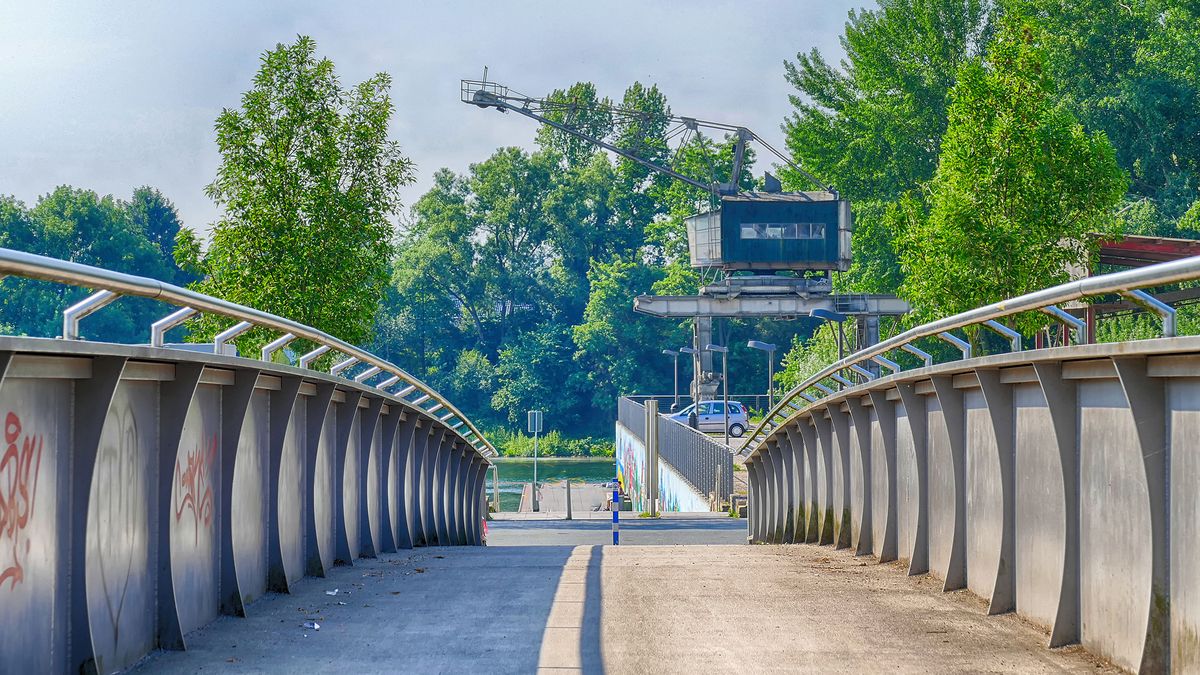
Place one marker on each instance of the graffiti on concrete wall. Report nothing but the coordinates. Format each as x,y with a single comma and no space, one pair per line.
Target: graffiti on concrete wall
194,485
674,493
19,467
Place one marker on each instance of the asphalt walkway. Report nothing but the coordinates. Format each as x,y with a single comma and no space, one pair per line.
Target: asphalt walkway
547,596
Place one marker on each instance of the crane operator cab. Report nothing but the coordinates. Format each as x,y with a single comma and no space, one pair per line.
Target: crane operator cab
766,232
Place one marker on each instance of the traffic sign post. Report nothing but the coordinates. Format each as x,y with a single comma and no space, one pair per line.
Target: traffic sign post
535,428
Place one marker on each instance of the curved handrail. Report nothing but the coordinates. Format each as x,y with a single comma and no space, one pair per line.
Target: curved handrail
1126,283
29,265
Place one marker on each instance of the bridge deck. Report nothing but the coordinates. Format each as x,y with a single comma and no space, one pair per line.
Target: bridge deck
627,609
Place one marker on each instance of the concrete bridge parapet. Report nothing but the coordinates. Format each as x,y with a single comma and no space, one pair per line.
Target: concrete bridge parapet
1063,484
145,491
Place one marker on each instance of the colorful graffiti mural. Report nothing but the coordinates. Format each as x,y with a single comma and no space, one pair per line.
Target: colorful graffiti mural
674,493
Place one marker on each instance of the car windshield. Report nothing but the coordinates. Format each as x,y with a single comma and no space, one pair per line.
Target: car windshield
687,410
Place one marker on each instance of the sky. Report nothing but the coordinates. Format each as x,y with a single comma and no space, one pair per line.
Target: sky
113,95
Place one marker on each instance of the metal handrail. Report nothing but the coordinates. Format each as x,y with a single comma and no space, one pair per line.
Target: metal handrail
1125,283
29,265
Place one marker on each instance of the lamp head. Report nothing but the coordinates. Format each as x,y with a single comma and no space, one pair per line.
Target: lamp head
827,314
765,346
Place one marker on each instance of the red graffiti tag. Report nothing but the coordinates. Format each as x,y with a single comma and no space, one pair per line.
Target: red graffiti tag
195,484
19,468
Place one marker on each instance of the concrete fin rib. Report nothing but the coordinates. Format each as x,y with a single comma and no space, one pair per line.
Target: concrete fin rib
369,421
860,478
93,397
918,425
1062,402
885,412
999,400
824,437
799,505
235,407
840,421
317,415
953,408
346,412
175,397
387,450
283,403
1147,401
812,525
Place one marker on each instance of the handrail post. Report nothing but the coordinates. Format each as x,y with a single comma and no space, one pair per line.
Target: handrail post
919,353
1069,321
963,345
1014,338
76,312
306,360
1147,301
228,334
339,367
158,329
268,350
887,363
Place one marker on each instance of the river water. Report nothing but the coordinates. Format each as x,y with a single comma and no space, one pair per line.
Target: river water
517,471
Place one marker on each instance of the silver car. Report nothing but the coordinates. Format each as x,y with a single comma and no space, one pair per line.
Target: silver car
710,416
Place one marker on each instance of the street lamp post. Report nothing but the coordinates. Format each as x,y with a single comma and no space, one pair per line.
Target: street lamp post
691,351
770,350
724,352
835,317
675,357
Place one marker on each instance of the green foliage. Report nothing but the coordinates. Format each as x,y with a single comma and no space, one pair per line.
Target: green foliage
1129,69
872,127
80,226
308,182
1020,185
537,372
619,350
807,357
552,444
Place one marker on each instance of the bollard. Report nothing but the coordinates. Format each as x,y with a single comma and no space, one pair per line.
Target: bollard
616,516
568,499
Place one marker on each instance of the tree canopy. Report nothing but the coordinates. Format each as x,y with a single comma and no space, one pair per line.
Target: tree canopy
1019,187
308,186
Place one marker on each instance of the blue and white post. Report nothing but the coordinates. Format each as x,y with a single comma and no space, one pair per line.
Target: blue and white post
616,515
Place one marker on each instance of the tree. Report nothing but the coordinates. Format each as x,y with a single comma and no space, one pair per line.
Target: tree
157,218
1019,186
536,372
1129,69
80,226
308,182
619,350
872,126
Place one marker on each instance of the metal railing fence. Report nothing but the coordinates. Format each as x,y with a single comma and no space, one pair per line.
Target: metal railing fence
111,285
1126,284
632,415
701,461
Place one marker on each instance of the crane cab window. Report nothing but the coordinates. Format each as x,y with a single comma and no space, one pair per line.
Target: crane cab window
783,230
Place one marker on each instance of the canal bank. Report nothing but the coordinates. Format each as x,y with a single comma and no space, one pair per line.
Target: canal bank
516,473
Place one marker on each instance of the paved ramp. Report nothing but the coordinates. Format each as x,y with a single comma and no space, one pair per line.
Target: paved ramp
631,609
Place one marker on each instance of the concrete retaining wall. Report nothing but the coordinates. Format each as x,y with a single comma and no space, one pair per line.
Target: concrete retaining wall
143,492
675,494
1061,484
